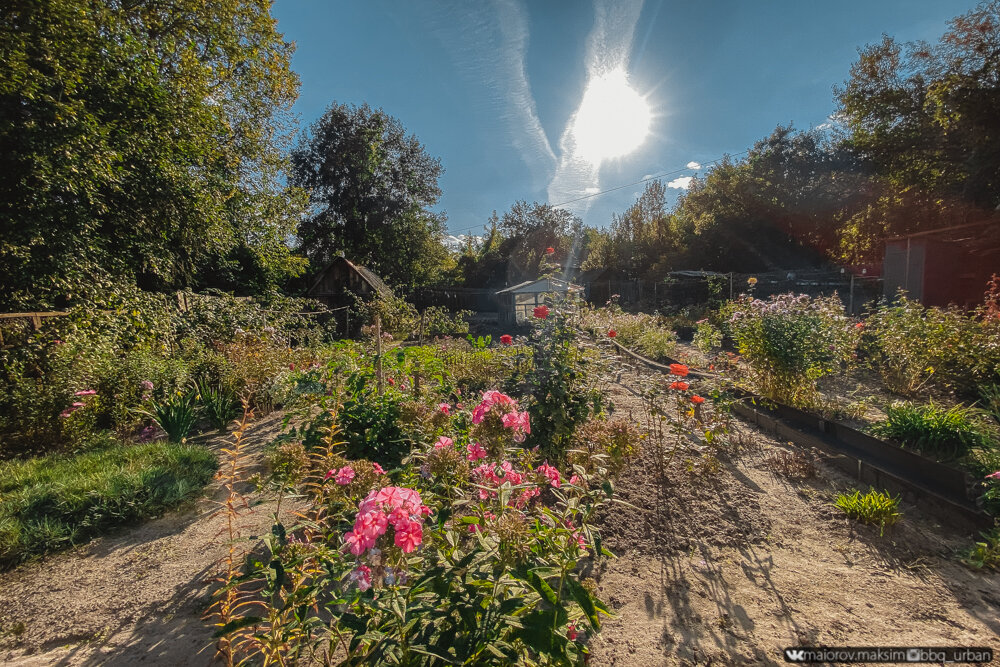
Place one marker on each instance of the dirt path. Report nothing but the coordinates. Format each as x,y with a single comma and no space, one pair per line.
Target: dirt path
731,567
135,597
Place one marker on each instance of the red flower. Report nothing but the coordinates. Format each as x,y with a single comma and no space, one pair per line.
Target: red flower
680,386
549,250
506,339
612,333
859,325
541,312
679,369
697,400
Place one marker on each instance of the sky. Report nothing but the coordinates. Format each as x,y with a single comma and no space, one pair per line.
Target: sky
536,100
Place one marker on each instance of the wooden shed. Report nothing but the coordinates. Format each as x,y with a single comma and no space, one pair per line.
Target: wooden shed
335,285
517,303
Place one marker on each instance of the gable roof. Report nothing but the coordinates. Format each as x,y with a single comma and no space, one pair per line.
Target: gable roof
542,285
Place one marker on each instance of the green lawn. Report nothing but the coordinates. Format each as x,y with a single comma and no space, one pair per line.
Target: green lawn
57,501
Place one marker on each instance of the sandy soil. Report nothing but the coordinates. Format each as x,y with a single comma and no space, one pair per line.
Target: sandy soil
731,567
134,597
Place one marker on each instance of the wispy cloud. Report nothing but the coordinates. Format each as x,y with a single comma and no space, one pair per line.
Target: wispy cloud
693,165
488,44
682,183
591,191
608,47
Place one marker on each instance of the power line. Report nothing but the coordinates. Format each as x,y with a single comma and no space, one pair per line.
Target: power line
622,187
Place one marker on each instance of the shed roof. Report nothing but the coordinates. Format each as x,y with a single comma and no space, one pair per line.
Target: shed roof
543,285
367,275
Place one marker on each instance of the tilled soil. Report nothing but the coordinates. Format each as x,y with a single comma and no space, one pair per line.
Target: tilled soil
136,596
729,567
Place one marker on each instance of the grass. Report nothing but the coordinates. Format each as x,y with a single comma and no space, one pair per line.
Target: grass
874,507
943,432
57,501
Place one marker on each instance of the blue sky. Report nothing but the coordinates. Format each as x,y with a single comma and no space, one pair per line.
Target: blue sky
494,87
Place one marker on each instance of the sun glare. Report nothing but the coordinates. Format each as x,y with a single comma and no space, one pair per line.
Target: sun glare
613,119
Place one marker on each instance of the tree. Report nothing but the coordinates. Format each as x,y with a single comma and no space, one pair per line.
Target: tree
371,187
141,141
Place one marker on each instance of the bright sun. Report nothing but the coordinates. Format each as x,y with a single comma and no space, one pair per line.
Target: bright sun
613,119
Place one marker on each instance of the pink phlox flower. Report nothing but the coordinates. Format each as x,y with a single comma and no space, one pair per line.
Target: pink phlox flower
329,474
479,413
345,475
994,475
355,542
551,473
575,480
409,535
86,392
475,451
458,405
399,517
444,407
443,442
378,469
78,404
571,632
147,385
525,497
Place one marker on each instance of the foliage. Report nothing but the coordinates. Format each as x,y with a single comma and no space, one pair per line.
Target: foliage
873,507
645,334
370,424
605,442
985,554
175,414
790,342
217,404
52,502
143,142
371,191
559,383
943,432
706,337
441,563
911,346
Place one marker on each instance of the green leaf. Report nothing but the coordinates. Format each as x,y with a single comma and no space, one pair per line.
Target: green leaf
237,624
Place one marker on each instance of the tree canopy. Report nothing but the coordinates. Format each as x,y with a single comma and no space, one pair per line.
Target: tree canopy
142,141
371,188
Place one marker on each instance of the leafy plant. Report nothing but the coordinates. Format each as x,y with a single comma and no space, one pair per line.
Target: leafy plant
217,403
873,507
175,414
479,342
790,341
943,432
985,554
707,337
369,422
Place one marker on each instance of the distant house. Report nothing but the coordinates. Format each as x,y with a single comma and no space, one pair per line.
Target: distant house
943,266
338,283
517,303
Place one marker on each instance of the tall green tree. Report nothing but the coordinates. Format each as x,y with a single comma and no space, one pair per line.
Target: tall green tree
141,141
371,189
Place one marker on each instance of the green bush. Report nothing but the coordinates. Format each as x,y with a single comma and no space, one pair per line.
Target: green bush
942,432
56,501
874,507
370,423
790,341
985,554
912,346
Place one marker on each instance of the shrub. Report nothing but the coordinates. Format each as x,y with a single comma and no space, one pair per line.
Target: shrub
790,342
648,335
874,507
707,337
56,501
218,404
943,432
561,395
370,423
911,346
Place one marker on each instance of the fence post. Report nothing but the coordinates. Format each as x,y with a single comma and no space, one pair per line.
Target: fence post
378,348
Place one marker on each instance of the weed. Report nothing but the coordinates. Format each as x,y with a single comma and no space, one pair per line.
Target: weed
874,507
943,432
985,554
796,465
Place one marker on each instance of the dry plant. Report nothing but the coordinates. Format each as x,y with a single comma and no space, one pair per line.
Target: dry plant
225,612
796,465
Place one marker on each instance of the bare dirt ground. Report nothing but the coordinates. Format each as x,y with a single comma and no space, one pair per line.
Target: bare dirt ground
714,568
136,596
730,567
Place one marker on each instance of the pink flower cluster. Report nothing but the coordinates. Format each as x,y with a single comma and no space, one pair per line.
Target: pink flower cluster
551,473
475,451
397,506
77,404
994,475
343,476
519,422
486,475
